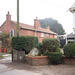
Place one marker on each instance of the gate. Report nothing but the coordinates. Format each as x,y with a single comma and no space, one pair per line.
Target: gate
62,42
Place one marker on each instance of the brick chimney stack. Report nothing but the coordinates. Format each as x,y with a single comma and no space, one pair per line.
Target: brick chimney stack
8,16
48,27
36,24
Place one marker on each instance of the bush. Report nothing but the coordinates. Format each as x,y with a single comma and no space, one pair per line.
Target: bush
52,45
6,41
55,57
71,41
69,50
39,46
24,43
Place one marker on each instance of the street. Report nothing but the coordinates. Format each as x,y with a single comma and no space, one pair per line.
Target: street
13,68
7,68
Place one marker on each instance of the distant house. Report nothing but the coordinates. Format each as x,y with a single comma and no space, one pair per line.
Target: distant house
10,27
71,37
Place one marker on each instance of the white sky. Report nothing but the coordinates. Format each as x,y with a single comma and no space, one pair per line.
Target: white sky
29,9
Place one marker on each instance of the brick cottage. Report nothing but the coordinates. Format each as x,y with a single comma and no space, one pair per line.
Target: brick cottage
10,27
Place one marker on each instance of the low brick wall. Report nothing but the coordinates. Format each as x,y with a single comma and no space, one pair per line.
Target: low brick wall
68,60
37,60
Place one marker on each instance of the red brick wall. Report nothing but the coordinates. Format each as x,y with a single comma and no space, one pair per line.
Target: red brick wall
26,33
6,27
37,61
51,36
68,60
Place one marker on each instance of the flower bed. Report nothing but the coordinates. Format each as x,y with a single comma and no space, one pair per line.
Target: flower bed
69,60
37,60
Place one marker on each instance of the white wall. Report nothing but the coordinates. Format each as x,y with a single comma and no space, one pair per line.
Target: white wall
74,20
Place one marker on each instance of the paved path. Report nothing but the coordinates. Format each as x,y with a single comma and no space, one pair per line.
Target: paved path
9,68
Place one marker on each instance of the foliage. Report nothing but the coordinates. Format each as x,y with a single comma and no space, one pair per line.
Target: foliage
4,36
55,57
53,24
71,41
10,52
69,50
9,48
50,44
25,43
1,56
6,41
39,46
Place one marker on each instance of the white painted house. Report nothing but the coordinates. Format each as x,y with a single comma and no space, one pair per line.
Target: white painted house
72,9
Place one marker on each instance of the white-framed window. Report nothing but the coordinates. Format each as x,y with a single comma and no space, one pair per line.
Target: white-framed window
11,33
0,32
42,34
47,34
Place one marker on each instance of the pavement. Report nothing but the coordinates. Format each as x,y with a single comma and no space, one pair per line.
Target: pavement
7,67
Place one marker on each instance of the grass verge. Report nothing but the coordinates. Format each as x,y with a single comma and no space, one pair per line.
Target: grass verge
1,56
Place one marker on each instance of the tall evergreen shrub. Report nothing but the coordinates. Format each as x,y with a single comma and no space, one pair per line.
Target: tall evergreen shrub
25,43
52,45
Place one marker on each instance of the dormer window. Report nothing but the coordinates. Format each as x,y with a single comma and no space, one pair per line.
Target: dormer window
11,33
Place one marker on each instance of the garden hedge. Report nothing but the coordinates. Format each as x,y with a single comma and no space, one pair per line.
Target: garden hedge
55,57
24,43
52,45
69,50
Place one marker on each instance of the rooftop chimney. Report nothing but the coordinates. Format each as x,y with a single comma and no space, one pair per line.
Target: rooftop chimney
8,16
48,27
36,24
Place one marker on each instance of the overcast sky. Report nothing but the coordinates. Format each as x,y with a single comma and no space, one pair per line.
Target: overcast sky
29,9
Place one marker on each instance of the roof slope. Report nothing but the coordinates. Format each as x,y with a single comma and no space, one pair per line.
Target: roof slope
30,27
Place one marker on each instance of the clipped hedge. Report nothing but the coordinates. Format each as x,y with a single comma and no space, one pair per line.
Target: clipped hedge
51,44
55,57
25,43
69,50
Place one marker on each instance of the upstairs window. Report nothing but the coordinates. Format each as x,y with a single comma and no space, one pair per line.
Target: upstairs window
11,33
47,34
0,32
42,34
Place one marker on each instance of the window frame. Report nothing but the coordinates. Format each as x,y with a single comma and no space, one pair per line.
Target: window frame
42,34
10,32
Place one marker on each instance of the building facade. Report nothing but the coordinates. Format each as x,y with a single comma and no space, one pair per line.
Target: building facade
10,27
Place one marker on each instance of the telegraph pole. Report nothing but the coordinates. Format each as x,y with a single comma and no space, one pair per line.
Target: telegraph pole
17,18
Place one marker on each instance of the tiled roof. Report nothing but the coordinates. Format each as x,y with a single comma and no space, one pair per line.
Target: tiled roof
30,27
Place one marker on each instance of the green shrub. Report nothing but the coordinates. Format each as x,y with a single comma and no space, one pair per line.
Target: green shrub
71,41
52,45
69,50
55,57
25,43
39,46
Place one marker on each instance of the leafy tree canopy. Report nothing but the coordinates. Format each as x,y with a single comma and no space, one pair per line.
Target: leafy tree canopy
54,25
